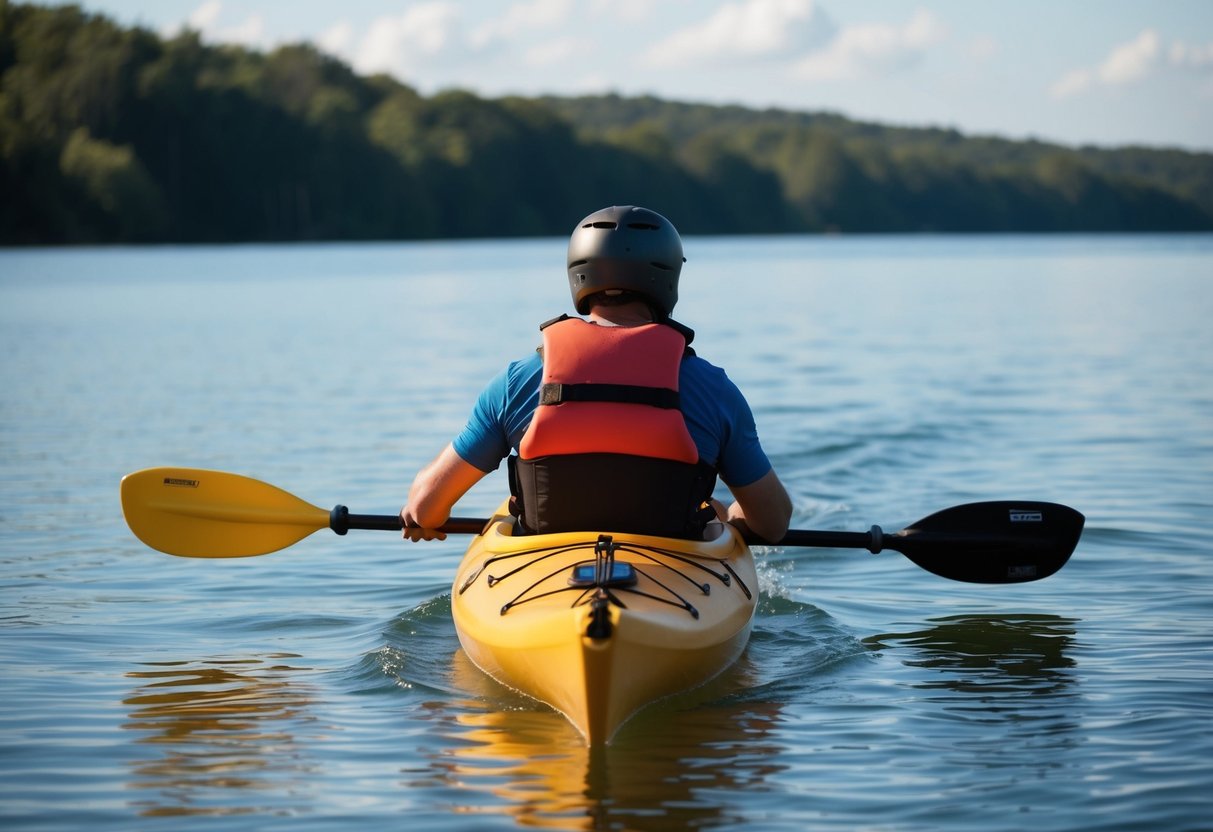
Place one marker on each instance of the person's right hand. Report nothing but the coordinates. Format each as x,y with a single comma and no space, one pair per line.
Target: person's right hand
414,532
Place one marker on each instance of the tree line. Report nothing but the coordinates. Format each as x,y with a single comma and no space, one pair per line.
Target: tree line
115,134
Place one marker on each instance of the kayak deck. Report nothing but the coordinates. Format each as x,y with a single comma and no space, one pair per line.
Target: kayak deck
598,625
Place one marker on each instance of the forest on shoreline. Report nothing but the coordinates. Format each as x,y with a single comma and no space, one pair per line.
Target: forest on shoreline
111,134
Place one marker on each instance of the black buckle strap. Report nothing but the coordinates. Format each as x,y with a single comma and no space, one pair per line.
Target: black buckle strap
556,393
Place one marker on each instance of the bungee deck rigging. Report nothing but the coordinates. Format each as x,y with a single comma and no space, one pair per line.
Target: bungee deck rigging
605,579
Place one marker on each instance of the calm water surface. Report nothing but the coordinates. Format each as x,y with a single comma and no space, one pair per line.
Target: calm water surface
322,686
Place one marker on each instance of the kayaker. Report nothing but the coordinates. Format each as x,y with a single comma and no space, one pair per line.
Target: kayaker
596,453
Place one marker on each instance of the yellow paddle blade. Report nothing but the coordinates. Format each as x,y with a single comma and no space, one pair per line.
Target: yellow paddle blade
211,514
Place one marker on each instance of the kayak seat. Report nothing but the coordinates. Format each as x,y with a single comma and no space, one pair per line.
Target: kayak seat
606,492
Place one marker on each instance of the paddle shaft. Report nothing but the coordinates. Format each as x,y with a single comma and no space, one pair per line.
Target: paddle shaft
341,521
993,543
875,540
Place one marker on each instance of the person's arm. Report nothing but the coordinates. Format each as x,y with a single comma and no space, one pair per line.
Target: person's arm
763,507
435,490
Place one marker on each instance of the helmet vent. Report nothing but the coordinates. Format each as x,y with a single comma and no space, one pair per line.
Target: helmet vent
661,266
644,226
601,224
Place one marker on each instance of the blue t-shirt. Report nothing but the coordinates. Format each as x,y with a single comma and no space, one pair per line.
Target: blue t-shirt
717,415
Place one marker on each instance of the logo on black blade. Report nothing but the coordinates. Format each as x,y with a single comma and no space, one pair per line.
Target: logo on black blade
1020,516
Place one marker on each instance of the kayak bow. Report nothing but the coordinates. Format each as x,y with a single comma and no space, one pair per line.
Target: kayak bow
600,625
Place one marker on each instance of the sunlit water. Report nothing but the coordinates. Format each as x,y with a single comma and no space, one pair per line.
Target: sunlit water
322,686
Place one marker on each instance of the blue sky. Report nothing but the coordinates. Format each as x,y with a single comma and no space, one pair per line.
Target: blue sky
1106,72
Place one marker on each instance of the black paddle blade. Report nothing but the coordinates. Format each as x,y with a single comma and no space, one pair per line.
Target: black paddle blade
1000,542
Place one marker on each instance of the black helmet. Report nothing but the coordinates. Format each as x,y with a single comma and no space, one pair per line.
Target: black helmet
628,248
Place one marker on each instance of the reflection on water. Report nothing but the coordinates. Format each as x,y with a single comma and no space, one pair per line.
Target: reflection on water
222,736
1000,691
666,769
993,668
990,654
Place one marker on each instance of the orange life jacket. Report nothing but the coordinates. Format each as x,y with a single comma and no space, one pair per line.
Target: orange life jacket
610,389
607,448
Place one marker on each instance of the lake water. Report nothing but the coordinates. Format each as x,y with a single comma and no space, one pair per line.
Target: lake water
322,686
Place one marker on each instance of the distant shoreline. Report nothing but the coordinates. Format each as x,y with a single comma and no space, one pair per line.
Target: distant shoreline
116,135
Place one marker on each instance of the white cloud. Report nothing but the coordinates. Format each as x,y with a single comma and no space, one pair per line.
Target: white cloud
1072,83
433,40
748,29
874,49
1192,57
1196,60
206,21
536,14
519,20
628,11
923,31
398,43
337,39
1132,60
204,17
249,33
983,48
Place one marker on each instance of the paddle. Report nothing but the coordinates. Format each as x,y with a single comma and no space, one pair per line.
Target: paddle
211,514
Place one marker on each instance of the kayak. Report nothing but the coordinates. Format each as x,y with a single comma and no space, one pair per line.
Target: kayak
598,625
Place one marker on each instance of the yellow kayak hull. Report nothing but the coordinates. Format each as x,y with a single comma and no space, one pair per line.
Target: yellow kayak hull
596,646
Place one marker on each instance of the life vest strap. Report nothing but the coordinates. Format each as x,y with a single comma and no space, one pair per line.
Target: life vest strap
553,393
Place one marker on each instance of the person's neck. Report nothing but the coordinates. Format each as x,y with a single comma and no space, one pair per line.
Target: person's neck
628,314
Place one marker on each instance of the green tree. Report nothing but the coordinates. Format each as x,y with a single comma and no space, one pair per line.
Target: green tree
116,184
